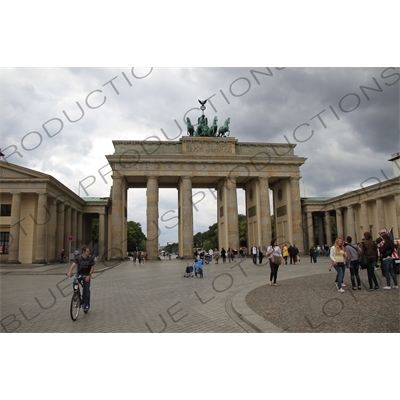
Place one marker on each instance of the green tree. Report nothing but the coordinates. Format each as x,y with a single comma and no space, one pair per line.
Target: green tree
136,237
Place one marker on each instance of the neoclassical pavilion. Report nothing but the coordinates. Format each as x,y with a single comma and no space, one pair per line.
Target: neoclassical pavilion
39,215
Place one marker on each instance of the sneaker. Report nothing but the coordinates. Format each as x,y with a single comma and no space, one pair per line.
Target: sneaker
343,285
86,310
395,287
341,290
387,287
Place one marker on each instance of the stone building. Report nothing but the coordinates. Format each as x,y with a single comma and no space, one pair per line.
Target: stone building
39,215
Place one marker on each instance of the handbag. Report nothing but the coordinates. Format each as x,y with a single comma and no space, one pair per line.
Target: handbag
364,261
276,260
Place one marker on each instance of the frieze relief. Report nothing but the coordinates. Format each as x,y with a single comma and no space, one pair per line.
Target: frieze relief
209,147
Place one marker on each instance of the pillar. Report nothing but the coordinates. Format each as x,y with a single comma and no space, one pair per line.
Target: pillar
380,211
232,213
265,214
41,230
52,233
328,228
102,233
350,224
364,218
67,230
152,218
310,230
14,229
117,220
185,217
339,223
296,213
60,229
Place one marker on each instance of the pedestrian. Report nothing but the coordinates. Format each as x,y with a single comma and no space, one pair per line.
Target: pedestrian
260,254
338,257
353,261
370,248
285,253
63,256
216,255
293,254
229,254
85,266
274,254
386,249
254,254
210,253
223,255
313,255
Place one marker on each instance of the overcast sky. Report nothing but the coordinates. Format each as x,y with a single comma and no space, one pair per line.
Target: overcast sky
351,131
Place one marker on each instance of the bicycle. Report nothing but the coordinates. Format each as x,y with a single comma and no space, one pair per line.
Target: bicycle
77,300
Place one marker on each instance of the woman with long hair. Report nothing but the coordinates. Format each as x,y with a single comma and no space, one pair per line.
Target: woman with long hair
338,256
386,248
274,250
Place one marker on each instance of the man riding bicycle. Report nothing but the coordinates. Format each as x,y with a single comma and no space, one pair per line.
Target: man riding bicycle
85,264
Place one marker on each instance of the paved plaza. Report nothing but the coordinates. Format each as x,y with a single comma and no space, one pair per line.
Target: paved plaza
231,298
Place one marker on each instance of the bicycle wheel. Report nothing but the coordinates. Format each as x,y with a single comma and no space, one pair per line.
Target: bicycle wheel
75,306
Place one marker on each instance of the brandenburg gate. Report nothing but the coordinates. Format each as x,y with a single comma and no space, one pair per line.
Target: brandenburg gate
207,158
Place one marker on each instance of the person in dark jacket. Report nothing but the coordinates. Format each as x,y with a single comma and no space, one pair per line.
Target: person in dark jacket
386,248
370,248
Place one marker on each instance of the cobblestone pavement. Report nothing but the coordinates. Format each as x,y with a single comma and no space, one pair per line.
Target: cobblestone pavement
155,297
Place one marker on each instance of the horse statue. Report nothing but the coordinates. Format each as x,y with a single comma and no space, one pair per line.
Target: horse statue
202,128
190,127
213,128
224,128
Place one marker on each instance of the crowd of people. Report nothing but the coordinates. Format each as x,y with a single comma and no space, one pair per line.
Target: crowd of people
366,254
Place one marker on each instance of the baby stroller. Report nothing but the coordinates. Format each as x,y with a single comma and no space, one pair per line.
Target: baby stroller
198,268
188,271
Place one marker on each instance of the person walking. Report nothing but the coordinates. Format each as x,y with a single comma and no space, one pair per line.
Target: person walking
223,255
254,254
85,266
338,257
370,248
293,254
274,250
386,248
285,253
353,261
260,254
313,255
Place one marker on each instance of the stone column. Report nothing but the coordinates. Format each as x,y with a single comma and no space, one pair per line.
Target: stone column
364,218
339,223
185,218
380,216
102,233
232,213
350,224
152,218
310,229
265,214
320,229
296,213
14,229
328,228
397,209
60,229
116,219
79,231
41,230
73,228
67,230
52,233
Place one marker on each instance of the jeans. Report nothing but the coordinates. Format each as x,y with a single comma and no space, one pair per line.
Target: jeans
354,267
371,272
86,292
274,271
388,269
339,267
